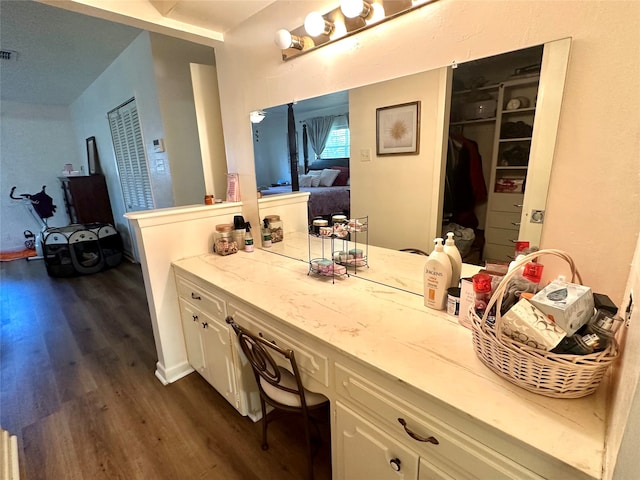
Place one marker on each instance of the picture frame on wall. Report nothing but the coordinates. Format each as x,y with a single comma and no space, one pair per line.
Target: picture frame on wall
398,129
92,156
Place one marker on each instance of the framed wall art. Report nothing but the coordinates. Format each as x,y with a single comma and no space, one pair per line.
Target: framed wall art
398,129
92,156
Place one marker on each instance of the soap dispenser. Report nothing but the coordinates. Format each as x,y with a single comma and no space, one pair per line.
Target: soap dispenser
437,277
455,258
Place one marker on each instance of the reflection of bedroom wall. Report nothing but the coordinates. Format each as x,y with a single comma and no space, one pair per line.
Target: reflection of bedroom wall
405,180
270,149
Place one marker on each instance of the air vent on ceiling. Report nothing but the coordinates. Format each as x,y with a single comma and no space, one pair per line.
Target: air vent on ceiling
8,55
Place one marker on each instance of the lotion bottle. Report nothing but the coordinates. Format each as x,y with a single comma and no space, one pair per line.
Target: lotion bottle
455,258
437,277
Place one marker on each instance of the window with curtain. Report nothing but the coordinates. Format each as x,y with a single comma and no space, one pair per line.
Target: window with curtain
338,141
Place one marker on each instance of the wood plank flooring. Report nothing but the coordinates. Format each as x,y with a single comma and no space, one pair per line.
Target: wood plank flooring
77,387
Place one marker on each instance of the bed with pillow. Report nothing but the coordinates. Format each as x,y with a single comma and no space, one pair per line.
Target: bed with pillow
327,182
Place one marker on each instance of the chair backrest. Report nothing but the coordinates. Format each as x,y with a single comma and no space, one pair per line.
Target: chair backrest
260,352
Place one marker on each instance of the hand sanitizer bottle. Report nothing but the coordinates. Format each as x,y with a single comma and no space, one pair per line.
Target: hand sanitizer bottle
437,277
454,257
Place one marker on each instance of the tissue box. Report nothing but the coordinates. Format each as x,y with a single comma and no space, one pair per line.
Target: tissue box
526,324
569,305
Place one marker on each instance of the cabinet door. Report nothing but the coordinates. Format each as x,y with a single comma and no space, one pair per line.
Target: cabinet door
218,358
364,452
191,327
431,472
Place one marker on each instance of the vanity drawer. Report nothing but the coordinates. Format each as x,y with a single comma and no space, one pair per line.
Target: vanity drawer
204,300
313,365
442,445
507,202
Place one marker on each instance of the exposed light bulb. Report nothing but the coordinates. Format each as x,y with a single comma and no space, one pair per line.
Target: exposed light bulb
285,40
355,8
316,25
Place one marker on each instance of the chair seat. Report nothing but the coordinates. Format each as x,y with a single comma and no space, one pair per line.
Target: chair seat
287,398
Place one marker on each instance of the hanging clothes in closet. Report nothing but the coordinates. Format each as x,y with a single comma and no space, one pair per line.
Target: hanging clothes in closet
464,182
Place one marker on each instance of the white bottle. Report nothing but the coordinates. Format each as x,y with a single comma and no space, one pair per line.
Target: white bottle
437,277
456,259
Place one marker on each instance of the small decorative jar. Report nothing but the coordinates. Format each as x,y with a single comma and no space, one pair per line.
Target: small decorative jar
275,226
223,243
317,224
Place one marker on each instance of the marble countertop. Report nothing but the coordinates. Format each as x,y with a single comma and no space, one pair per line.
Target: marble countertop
391,330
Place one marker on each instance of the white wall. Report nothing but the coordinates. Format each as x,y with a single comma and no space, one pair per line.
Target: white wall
400,210
35,143
171,64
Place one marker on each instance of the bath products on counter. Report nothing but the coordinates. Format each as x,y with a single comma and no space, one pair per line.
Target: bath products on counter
437,277
453,301
248,238
266,234
569,305
528,325
455,258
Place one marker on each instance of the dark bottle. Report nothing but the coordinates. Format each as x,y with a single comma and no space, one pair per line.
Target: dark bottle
577,344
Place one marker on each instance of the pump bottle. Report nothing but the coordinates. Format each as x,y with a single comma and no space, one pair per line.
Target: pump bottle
437,277
455,258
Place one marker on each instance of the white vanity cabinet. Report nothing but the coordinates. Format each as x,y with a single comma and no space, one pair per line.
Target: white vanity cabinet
379,431
409,399
209,343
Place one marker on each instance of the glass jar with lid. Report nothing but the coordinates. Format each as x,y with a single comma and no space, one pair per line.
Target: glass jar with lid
275,226
223,243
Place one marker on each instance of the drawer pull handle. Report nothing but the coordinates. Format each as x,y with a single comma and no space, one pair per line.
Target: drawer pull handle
195,297
395,464
195,318
517,205
517,224
415,436
205,324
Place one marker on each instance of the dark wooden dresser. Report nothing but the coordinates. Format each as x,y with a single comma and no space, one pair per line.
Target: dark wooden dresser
86,199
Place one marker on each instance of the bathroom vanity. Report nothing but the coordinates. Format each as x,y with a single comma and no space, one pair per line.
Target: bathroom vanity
407,392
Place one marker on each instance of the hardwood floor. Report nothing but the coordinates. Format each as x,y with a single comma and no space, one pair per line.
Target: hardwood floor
77,387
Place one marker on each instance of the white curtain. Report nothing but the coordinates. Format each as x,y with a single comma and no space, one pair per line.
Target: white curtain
318,130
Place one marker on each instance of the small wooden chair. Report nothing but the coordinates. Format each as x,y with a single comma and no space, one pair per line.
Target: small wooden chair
279,387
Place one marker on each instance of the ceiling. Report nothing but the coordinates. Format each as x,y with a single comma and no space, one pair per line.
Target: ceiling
60,52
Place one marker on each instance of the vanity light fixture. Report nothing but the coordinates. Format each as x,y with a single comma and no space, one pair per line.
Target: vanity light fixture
315,25
356,8
257,116
349,18
285,40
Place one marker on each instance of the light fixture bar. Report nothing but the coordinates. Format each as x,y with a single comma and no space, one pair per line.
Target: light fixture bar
336,25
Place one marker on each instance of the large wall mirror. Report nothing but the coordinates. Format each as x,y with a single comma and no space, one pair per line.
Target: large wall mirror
487,133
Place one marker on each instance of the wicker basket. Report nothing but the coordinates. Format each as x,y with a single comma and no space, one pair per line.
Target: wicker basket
535,370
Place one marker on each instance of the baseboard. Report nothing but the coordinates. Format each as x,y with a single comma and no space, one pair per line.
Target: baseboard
170,375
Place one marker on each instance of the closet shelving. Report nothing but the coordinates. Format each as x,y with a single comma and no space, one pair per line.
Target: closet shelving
509,165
